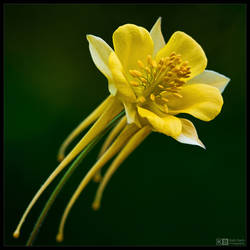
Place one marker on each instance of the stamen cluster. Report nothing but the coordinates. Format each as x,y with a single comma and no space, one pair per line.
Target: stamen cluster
160,79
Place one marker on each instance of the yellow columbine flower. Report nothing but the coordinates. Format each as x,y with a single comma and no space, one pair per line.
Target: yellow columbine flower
153,82
156,81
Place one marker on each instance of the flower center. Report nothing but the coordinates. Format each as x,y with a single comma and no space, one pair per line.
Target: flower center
156,81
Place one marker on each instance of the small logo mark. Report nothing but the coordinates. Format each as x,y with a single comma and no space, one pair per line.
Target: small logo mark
222,242
229,242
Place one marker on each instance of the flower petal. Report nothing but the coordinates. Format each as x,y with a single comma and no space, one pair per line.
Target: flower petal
157,36
188,48
131,113
168,125
188,134
119,81
200,100
100,52
211,78
132,43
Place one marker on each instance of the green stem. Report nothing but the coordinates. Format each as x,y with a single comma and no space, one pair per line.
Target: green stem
66,176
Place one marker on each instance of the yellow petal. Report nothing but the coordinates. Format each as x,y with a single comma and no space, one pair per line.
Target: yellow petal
211,78
132,43
131,113
100,52
124,91
188,134
189,50
157,36
200,100
168,125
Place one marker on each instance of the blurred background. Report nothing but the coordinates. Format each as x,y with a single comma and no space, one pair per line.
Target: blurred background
165,193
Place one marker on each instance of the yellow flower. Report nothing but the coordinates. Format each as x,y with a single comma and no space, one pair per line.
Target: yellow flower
153,82
156,81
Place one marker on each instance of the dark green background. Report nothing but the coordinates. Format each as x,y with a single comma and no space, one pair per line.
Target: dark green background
165,193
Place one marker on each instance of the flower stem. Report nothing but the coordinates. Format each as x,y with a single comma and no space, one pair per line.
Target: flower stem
66,176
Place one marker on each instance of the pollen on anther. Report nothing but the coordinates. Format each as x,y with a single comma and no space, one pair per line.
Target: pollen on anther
148,69
134,83
154,64
143,79
141,99
149,57
152,97
135,73
140,63
164,99
173,54
177,95
163,92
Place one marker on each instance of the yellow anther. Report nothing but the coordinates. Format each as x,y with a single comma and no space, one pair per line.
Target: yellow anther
172,83
164,99
166,59
180,73
177,95
134,83
169,74
152,97
176,69
148,70
180,82
143,79
141,99
160,86
172,90
140,63
161,61
176,88
135,73
163,92
173,54
178,56
149,57
163,67
154,64
185,63
159,66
